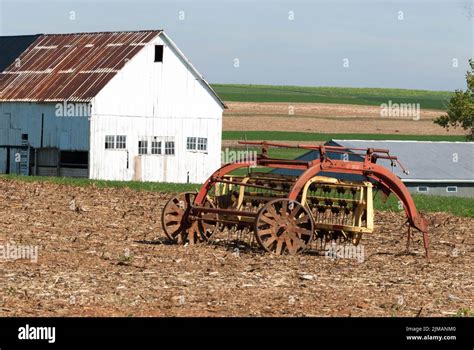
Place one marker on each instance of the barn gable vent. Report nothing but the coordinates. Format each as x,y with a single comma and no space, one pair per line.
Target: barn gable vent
158,53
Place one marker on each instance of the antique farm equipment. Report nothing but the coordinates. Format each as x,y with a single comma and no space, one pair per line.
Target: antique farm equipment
287,212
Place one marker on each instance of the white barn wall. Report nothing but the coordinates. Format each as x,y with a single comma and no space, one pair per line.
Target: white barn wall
147,99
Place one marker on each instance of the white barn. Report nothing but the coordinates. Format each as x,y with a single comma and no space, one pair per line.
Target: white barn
111,106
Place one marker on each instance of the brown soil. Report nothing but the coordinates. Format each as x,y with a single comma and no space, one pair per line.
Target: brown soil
328,118
84,234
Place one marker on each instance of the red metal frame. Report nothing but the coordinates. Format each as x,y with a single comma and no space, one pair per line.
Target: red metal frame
224,170
384,178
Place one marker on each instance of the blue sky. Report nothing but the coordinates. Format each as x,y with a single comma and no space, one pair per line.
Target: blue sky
400,44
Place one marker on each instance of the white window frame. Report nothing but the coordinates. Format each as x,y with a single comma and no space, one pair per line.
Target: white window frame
109,140
140,147
202,144
420,191
166,148
454,187
158,150
122,144
191,143
163,146
196,144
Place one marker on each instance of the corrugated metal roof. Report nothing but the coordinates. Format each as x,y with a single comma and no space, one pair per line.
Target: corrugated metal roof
72,67
425,161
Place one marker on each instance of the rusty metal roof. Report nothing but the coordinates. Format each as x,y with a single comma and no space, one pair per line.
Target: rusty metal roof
71,67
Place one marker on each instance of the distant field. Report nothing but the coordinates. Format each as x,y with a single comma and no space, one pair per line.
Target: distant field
336,95
307,137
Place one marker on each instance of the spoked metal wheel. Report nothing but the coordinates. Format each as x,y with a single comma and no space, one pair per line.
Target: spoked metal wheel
181,227
206,224
174,216
284,226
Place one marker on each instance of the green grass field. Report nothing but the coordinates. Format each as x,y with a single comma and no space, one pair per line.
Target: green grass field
459,206
285,153
306,136
454,205
339,95
134,185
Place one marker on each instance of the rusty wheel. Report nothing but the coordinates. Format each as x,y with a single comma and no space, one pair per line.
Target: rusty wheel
208,224
174,217
179,225
283,225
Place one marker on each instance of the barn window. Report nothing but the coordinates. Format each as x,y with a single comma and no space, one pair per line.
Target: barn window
196,144
158,53
142,147
169,147
452,189
422,189
121,142
191,143
155,147
109,142
202,144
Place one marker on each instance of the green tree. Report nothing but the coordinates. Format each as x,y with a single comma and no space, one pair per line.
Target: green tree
461,108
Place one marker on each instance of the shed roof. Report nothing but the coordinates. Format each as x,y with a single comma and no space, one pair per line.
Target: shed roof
72,67
426,161
437,162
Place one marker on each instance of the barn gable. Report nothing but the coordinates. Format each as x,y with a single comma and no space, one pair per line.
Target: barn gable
167,40
71,67
156,101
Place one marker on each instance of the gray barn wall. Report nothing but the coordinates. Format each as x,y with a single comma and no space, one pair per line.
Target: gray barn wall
59,133
439,189
66,133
